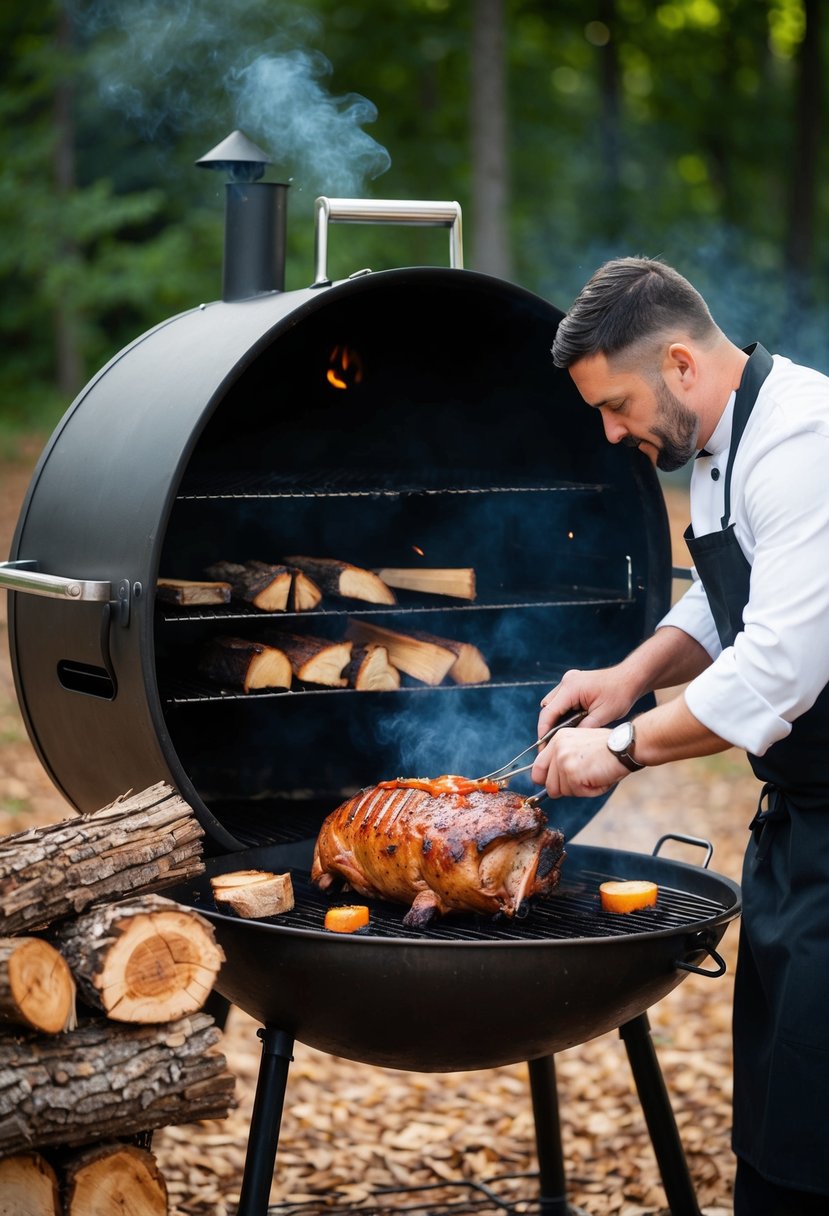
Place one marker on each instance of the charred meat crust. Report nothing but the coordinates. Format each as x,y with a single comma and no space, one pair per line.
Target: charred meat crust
477,852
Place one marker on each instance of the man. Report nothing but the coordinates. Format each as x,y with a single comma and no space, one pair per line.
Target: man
750,638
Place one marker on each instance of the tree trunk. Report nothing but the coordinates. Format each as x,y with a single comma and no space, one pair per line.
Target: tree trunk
142,960
803,176
143,842
105,1080
67,355
611,193
490,160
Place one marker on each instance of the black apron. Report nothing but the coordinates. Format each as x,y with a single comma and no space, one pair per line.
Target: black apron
781,998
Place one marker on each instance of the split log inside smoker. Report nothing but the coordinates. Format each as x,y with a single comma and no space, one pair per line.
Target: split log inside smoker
242,663
458,583
371,671
265,587
190,593
315,660
425,656
342,579
305,594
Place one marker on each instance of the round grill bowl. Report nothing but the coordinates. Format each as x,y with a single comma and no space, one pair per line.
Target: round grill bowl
460,997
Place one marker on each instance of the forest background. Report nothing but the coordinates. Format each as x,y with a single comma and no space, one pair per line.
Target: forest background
569,132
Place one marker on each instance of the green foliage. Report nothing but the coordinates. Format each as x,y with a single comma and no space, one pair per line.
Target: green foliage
664,128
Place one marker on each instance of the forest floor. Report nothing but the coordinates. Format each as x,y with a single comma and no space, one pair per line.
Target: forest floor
350,1129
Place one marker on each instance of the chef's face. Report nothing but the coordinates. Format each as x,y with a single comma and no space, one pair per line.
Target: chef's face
638,411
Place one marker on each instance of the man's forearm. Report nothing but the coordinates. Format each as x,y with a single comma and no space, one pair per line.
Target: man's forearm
668,658
671,732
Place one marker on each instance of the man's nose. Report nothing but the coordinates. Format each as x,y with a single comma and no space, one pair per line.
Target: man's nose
614,428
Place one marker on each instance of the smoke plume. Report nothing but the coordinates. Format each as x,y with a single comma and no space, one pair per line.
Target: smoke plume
205,67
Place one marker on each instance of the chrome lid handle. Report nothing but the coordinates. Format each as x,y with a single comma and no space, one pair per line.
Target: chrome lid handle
383,211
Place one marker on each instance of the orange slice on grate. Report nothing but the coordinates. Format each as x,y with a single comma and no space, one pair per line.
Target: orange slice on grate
347,918
627,896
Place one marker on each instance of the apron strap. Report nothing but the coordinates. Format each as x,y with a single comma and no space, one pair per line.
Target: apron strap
755,371
772,808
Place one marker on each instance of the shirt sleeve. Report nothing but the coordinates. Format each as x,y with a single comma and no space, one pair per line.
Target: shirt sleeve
692,615
779,663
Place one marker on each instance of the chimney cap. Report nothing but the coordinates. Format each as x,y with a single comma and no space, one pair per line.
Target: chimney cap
239,156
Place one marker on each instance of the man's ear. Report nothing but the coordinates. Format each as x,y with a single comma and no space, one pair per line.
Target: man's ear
679,367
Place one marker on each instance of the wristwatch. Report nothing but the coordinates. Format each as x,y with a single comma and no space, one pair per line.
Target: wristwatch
621,741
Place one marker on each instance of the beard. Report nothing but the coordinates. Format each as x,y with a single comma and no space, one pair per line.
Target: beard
676,428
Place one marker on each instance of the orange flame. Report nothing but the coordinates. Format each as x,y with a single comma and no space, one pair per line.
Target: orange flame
345,367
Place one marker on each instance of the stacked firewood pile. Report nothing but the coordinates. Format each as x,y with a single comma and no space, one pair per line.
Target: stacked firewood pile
103,1036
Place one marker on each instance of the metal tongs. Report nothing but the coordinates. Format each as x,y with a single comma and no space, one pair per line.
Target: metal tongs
503,774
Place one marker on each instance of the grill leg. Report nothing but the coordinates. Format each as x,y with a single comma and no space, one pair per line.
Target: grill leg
656,1105
265,1121
544,1093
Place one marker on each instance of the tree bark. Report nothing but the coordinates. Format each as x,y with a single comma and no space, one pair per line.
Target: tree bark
67,354
37,990
488,121
141,960
105,1080
140,843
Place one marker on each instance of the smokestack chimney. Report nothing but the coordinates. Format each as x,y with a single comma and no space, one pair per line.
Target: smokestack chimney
255,219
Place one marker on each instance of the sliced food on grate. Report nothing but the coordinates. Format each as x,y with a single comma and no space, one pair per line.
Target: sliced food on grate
628,896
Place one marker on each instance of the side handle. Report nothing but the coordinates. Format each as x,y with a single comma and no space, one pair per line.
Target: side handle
682,839
24,576
703,941
383,211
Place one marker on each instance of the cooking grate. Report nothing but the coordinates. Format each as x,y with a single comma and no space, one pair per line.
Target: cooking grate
573,912
555,597
179,688
351,483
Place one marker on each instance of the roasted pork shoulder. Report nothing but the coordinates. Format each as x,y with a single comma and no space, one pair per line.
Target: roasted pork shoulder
442,846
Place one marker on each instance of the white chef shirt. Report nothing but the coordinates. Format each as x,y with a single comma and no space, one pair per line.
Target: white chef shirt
779,662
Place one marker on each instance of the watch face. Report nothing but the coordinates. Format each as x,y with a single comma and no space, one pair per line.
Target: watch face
621,737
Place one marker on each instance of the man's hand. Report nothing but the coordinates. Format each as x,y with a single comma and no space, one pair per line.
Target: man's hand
603,693
577,763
